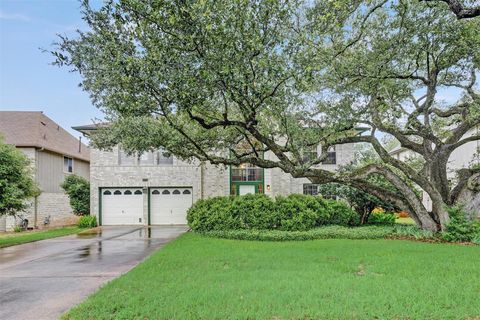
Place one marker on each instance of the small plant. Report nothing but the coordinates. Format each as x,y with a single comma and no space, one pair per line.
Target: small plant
17,229
87,221
460,228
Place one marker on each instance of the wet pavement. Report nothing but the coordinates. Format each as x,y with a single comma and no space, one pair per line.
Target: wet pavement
42,280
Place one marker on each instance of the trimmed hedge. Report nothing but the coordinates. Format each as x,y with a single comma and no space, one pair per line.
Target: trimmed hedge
260,212
381,218
326,232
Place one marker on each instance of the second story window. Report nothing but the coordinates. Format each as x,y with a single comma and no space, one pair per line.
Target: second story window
164,157
247,172
146,158
125,159
331,156
68,164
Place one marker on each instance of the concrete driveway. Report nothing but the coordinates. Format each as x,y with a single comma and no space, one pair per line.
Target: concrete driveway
42,280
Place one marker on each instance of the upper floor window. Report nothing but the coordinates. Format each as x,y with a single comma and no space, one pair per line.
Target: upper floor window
164,157
124,159
68,164
247,172
309,154
331,156
146,158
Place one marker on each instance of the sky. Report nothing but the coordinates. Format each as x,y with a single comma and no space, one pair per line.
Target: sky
28,81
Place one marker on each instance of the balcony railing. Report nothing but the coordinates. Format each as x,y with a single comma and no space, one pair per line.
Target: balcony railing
247,174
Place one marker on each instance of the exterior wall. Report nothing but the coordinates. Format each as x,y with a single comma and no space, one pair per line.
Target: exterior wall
205,179
52,202
50,172
106,172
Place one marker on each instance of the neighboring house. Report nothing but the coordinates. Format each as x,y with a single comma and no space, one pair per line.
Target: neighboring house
463,157
157,188
54,154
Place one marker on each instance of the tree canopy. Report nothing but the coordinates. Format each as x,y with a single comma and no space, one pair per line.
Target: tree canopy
202,78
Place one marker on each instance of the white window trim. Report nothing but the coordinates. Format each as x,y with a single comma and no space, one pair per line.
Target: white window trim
73,164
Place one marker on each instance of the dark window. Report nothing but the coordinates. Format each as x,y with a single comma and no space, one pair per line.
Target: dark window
165,192
128,192
138,192
164,157
331,156
117,192
67,164
186,192
176,192
155,192
310,189
309,154
107,193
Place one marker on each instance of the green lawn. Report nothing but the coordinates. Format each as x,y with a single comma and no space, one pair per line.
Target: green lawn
195,277
405,221
12,239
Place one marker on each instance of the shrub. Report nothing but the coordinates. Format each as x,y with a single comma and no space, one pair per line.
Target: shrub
381,218
78,190
87,221
460,229
292,213
326,232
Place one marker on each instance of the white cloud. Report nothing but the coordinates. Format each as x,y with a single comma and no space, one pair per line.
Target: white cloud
13,16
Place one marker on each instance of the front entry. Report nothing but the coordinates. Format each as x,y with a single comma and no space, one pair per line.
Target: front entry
169,205
246,189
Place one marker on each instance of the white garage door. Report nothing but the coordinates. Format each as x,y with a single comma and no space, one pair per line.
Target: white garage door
122,206
170,205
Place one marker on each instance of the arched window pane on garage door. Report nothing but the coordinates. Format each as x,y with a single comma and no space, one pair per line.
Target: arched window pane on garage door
138,192
127,192
107,192
155,192
165,192
176,191
117,192
186,192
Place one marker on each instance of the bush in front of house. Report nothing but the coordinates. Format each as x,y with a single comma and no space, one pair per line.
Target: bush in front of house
381,218
260,212
78,190
87,221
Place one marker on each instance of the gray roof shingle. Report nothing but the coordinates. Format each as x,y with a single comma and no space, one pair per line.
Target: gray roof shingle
34,129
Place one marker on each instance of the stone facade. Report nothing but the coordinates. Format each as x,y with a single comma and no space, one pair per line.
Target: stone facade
206,180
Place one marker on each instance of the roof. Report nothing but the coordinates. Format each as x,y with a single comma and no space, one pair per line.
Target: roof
88,128
34,129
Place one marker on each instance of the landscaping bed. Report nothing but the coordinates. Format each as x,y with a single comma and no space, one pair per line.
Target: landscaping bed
197,277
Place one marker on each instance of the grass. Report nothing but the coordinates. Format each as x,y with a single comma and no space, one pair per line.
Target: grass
196,277
12,239
404,221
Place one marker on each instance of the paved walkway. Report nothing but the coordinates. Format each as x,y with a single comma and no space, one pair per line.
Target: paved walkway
42,280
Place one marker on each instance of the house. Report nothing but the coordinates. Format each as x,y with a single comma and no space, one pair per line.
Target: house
158,188
54,154
462,157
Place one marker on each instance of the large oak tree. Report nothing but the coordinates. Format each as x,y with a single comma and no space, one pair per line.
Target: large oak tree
200,78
